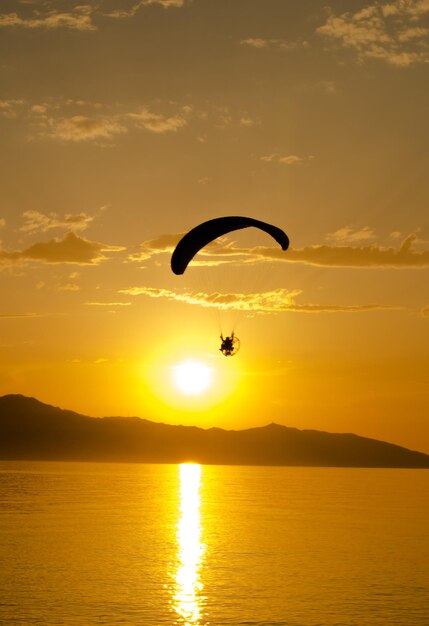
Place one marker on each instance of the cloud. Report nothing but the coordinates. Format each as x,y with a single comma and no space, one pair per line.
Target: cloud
79,18
280,44
54,14
277,301
82,128
2,222
289,159
425,311
348,235
163,243
7,316
223,250
68,287
108,303
328,86
165,3
39,222
70,249
10,108
156,122
348,256
255,42
77,120
388,32
245,120
124,13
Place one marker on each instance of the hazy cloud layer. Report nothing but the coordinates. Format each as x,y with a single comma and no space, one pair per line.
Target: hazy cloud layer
70,249
369,256
395,32
277,301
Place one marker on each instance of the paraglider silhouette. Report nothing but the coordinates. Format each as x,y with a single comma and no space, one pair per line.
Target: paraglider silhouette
205,233
208,231
230,345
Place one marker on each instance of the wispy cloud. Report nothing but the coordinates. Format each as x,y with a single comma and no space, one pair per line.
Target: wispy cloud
68,287
156,122
78,120
277,301
54,14
425,311
390,32
79,18
288,159
136,6
40,222
70,249
153,247
10,108
108,304
246,120
7,316
348,235
281,44
165,3
81,128
327,86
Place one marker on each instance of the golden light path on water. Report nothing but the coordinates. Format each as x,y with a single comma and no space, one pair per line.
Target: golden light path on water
190,549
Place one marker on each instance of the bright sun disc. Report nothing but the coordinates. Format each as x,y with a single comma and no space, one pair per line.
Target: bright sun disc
192,377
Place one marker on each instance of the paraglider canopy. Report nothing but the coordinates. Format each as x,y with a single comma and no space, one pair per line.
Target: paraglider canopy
208,231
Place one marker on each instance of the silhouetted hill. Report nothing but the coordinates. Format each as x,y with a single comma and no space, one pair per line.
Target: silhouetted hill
32,430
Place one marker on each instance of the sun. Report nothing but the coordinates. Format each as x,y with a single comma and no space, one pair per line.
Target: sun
192,377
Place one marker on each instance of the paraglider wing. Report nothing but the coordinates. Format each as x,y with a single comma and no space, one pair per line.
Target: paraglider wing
208,231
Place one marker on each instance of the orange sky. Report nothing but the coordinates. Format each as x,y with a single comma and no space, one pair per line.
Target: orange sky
126,123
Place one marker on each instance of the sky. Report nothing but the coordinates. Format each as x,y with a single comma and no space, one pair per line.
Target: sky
125,123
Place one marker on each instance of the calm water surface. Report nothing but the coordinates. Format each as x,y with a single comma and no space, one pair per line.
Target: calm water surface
113,544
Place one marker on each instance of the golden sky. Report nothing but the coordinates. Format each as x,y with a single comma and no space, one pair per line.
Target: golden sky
126,123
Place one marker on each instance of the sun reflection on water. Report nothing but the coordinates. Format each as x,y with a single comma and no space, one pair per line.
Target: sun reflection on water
190,549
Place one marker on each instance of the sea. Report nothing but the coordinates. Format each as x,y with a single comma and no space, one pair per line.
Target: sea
85,544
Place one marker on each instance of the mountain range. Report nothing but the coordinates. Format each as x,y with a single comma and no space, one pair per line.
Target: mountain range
32,430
